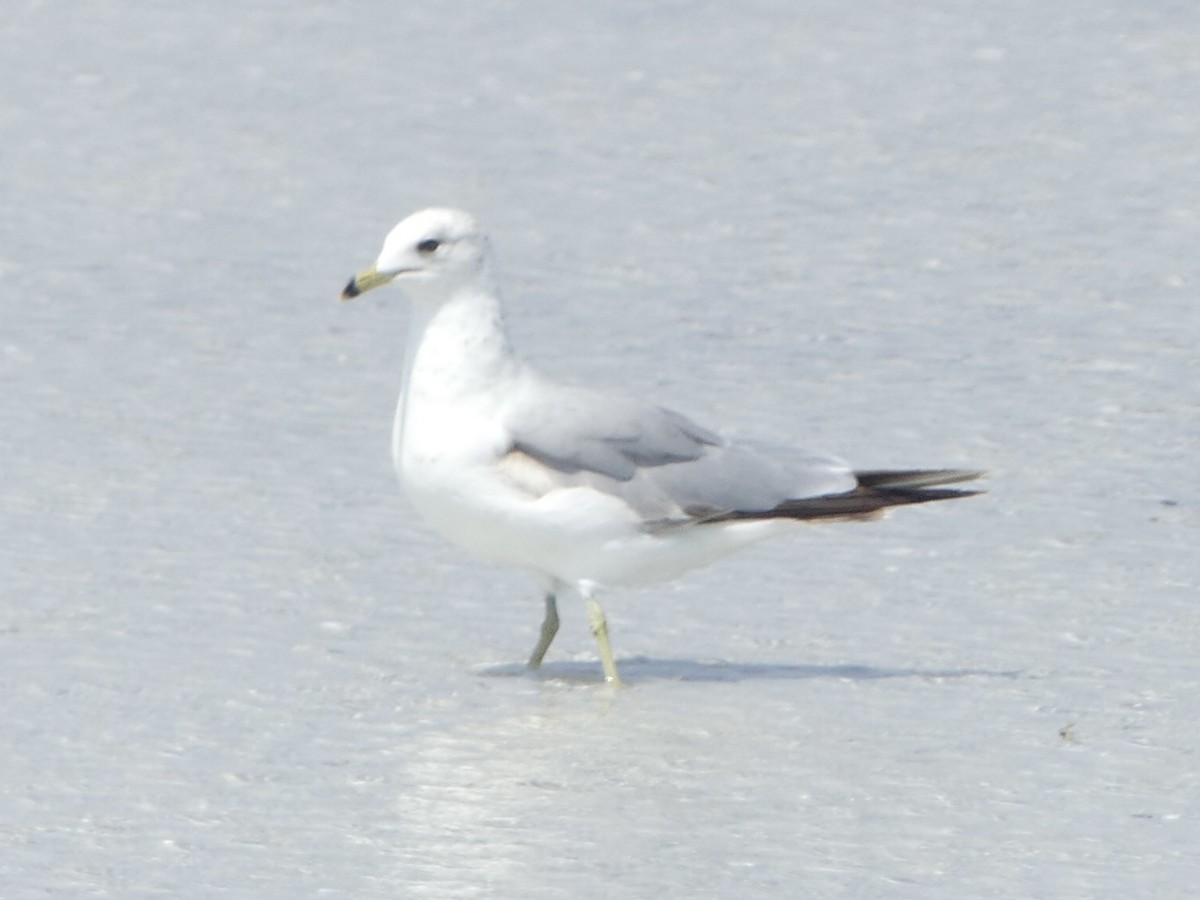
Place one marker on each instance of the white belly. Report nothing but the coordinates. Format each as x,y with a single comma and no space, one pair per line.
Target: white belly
574,534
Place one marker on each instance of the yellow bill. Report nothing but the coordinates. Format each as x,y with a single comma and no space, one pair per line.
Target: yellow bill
366,280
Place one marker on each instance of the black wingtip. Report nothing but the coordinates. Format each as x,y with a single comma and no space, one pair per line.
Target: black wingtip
876,493
916,478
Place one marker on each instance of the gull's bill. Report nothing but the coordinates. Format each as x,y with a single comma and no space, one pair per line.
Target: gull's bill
366,280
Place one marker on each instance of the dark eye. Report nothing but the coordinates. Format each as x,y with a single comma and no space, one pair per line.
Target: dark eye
428,245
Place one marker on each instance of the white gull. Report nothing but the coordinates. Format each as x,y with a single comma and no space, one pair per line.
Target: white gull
583,489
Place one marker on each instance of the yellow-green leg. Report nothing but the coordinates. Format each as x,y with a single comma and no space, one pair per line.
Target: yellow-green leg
549,630
600,631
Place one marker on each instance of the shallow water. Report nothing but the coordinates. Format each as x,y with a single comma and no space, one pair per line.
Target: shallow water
236,665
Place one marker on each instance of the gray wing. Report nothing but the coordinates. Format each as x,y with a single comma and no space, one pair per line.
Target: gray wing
575,430
665,466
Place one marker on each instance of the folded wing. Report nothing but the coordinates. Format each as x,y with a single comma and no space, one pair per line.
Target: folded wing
667,468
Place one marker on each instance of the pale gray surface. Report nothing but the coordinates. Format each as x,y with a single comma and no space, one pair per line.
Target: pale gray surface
921,233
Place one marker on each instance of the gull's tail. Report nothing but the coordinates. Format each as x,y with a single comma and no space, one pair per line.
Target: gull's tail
876,493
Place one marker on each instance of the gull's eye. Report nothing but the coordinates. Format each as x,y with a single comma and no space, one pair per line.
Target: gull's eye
428,245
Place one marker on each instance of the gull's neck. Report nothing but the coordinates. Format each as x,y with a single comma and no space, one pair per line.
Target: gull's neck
457,349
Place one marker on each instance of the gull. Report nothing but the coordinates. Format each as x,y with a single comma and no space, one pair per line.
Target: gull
581,488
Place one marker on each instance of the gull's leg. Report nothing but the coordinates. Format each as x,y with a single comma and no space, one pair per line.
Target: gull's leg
600,631
549,630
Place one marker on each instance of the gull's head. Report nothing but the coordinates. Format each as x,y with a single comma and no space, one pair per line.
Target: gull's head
433,247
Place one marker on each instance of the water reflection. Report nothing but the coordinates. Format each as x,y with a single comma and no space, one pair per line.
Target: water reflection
645,669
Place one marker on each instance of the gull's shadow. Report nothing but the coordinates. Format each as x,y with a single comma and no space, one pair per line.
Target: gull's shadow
639,669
